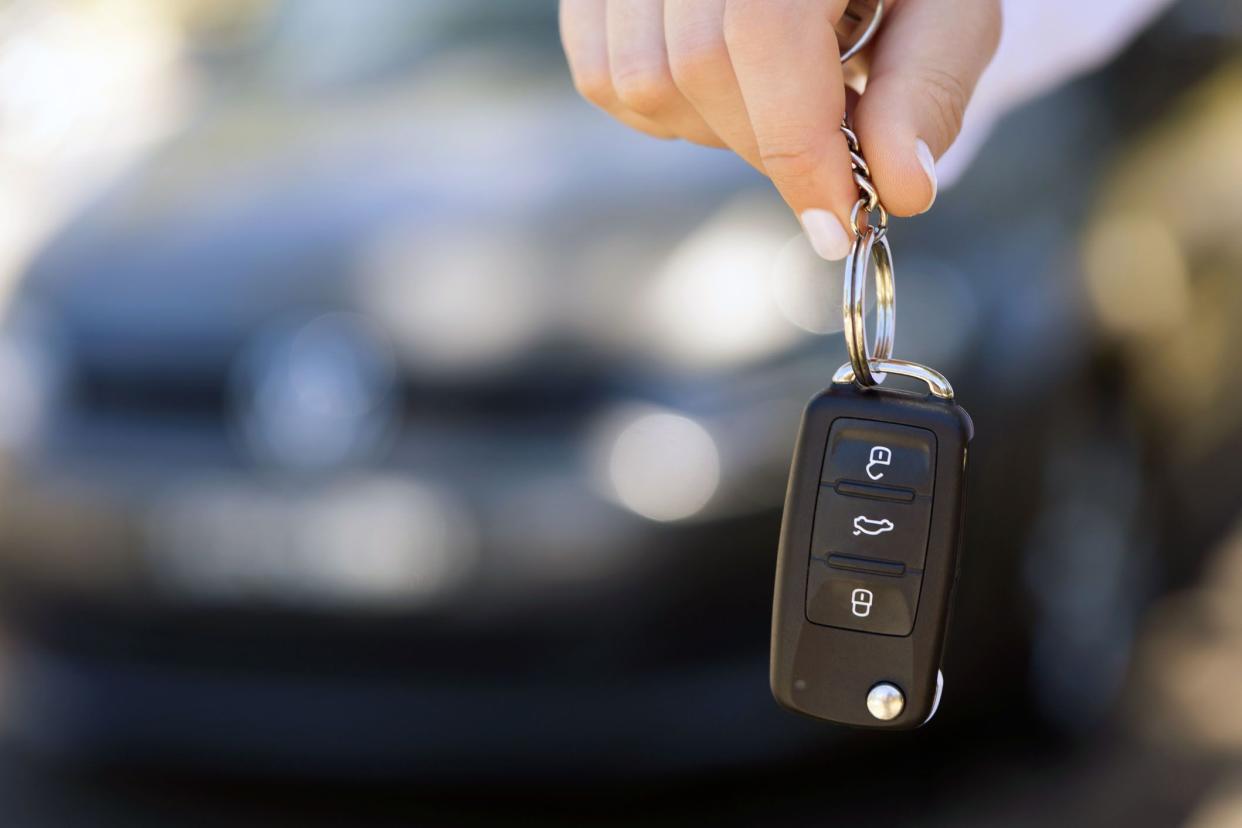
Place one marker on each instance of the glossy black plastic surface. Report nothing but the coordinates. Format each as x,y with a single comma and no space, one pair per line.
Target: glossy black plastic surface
868,553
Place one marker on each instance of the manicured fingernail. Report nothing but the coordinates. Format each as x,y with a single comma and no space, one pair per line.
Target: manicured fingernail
827,235
928,163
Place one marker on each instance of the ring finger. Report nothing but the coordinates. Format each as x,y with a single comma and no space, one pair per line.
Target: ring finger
639,63
584,36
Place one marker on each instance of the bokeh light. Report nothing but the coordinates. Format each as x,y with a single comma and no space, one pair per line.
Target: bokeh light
663,466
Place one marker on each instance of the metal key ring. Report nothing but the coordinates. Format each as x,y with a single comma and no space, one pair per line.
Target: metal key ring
871,246
937,383
867,33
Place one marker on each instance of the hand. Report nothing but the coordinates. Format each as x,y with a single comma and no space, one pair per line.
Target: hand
763,78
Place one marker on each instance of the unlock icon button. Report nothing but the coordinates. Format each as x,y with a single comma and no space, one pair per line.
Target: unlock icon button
880,456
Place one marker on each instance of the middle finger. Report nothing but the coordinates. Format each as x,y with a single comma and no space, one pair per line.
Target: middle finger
699,61
638,60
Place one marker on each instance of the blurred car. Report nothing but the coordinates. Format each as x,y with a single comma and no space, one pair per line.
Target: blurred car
357,435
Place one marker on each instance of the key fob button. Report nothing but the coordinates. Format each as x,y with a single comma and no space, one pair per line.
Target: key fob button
866,602
880,454
860,527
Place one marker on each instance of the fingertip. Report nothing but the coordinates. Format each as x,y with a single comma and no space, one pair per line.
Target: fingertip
813,176
826,234
905,176
903,165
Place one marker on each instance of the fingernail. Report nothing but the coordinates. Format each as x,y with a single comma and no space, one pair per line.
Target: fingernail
928,163
827,235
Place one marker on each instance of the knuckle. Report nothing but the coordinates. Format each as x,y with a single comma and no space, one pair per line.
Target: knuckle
645,89
947,95
790,158
595,87
697,60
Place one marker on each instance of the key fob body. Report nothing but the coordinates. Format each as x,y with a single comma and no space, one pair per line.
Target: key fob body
868,556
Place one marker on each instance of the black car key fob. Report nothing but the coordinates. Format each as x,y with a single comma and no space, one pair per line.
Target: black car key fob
868,556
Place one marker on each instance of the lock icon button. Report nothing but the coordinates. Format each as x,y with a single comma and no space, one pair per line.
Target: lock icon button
860,602
863,601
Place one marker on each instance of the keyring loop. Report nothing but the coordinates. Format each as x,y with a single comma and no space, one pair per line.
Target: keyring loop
865,37
863,204
937,382
870,246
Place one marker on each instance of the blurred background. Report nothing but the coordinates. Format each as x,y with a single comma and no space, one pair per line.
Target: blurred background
387,436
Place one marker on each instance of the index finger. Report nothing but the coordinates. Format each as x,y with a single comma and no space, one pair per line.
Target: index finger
786,59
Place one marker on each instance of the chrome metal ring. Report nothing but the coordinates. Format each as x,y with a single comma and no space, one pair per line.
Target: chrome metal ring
937,382
867,33
863,204
869,247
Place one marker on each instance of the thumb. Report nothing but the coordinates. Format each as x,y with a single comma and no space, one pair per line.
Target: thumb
928,58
